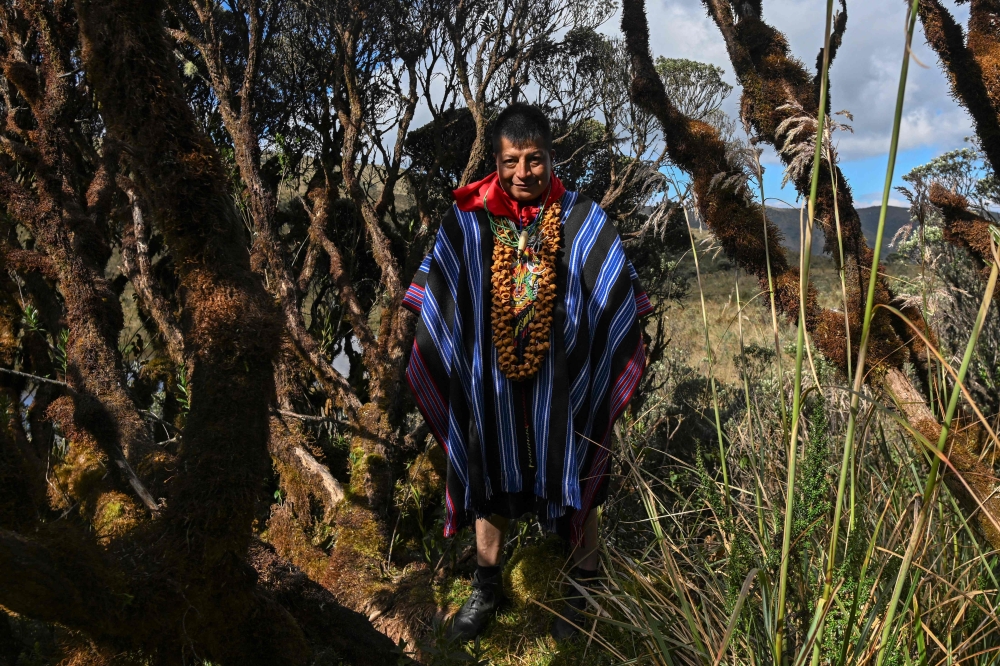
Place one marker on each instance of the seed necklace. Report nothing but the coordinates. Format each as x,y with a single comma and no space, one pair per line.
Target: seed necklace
510,254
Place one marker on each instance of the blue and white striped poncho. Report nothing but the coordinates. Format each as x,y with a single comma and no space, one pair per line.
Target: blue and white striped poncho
595,360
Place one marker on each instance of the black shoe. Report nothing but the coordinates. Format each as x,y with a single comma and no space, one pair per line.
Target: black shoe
572,618
482,604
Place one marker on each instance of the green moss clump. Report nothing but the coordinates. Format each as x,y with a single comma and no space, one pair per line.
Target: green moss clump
288,537
359,532
367,470
111,511
533,572
452,594
115,516
80,476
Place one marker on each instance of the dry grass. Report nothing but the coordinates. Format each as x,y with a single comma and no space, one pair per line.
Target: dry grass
719,276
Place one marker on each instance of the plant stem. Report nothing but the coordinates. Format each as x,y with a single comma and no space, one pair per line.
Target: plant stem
923,297
859,369
840,248
711,365
800,346
770,291
746,393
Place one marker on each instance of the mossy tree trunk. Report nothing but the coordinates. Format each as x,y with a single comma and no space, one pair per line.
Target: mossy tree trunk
972,62
184,577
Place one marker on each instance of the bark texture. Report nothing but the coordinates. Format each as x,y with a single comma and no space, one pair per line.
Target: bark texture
186,578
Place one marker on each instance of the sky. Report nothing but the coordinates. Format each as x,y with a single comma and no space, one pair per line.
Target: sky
864,80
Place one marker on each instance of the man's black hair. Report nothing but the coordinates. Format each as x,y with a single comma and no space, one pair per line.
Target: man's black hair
522,124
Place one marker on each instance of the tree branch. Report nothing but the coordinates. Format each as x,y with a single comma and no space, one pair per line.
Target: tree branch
963,228
966,75
35,582
286,447
826,326
319,216
267,249
779,98
36,378
836,37
230,326
136,266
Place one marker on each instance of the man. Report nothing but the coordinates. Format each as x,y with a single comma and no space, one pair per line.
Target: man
528,348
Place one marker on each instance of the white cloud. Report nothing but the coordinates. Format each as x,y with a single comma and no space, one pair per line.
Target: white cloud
924,126
684,31
875,199
864,78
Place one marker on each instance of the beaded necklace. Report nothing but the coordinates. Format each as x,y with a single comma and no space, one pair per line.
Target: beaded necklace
542,236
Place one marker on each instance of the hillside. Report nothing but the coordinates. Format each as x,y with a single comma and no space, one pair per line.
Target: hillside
787,220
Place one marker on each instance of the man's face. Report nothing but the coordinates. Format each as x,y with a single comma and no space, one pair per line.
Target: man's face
524,171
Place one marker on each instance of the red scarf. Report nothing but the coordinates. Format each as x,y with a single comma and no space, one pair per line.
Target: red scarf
471,197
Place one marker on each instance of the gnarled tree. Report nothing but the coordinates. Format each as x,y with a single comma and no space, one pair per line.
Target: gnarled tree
778,94
203,309
971,59
182,576
972,62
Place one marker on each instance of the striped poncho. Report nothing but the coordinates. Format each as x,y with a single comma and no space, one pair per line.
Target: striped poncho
595,360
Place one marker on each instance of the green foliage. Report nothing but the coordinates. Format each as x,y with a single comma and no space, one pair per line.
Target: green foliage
709,491
950,283
696,88
420,526
964,171
183,394
812,501
59,353
741,560
30,319
701,556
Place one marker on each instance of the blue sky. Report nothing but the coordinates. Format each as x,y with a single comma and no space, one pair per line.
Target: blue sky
863,79
866,176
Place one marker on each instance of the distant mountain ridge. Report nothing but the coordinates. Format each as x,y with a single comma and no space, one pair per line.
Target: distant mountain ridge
787,221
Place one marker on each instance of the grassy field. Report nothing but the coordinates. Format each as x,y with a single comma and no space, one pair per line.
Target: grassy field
719,285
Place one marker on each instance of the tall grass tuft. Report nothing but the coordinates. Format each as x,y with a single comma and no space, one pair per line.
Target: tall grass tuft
805,258
939,451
